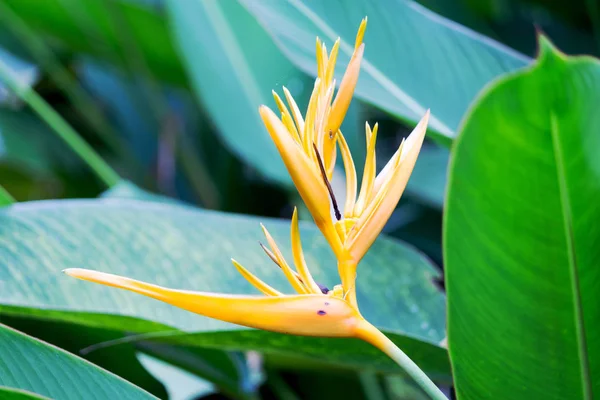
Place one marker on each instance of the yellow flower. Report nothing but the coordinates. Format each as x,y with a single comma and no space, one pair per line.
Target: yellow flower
308,149
313,311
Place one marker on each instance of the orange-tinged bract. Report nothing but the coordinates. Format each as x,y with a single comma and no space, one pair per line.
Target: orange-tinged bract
308,147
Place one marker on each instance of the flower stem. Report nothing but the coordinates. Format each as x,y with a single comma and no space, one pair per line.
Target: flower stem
60,126
374,336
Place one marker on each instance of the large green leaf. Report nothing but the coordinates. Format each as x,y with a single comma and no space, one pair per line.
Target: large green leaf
74,338
521,236
184,247
414,59
219,42
34,366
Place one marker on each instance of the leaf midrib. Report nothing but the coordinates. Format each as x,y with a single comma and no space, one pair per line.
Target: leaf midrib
567,219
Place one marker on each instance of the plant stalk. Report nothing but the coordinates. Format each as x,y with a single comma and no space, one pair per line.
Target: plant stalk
374,336
60,126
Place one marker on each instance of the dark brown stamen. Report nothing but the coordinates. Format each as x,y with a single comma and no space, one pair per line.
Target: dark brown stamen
270,254
323,288
336,210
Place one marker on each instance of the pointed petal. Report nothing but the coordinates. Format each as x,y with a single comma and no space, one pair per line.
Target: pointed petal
303,172
332,158
286,118
366,186
289,273
331,63
324,62
345,92
308,315
324,140
319,56
309,124
295,110
385,173
378,212
361,33
350,170
280,104
256,282
299,260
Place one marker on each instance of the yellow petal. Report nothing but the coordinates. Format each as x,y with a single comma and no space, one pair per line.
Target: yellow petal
369,172
305,175
350,171
319,56
322,136
331,63
332,157
378,212
309,124
386,172
307,315
327,142
286,118
289,273
295,110
361,33
299,260
256,282
344,94
324,62
280,105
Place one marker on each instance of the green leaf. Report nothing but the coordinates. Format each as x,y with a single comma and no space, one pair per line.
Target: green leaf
187,248
34,366
521,236
128,190
219,43
15,394
75,338
414,59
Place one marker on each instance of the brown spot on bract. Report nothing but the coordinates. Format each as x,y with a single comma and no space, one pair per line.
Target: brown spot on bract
321,312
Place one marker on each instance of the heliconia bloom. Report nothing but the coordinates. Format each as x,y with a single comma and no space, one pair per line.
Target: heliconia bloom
313,311
308,148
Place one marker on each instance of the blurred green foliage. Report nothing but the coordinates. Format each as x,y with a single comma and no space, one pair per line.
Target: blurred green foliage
166,93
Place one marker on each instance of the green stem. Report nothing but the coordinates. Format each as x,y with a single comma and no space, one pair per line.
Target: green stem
374,336
60,126
46,58
5,197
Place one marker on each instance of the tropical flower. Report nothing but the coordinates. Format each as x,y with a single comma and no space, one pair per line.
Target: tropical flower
308,149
